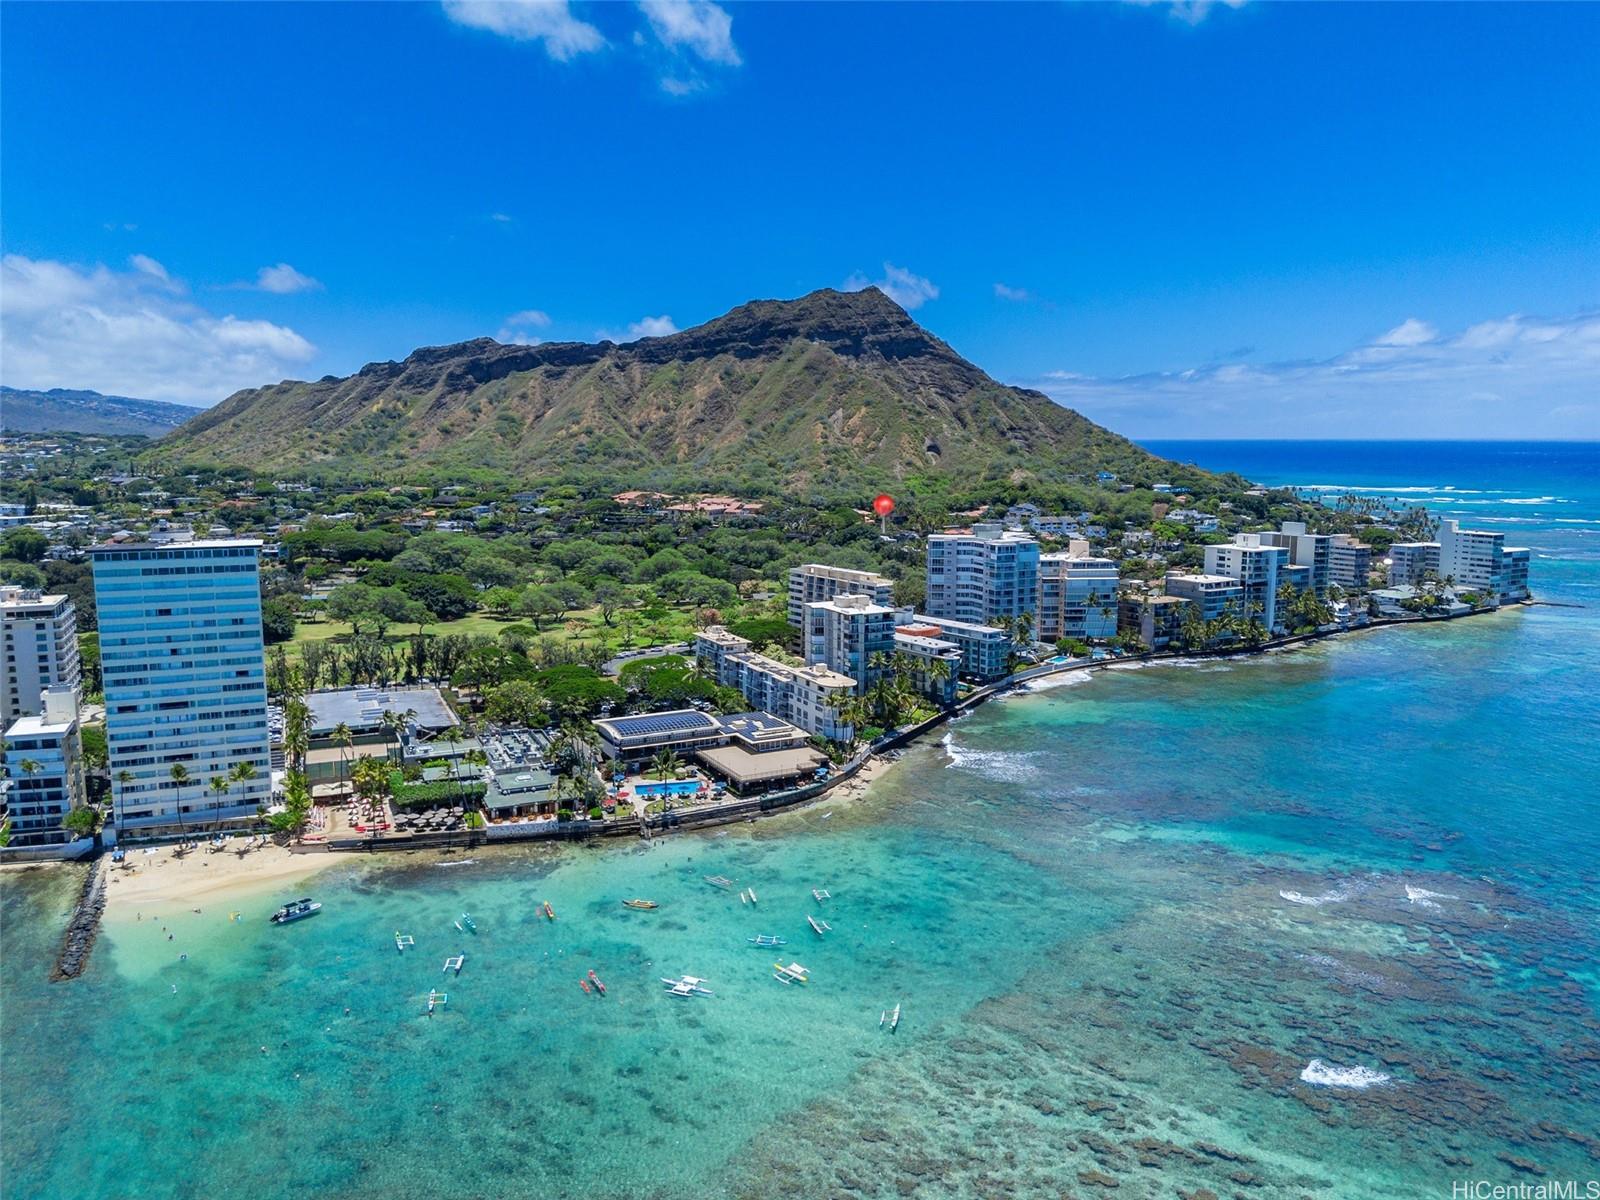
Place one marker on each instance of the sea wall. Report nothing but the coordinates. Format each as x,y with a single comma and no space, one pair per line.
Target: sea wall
83,927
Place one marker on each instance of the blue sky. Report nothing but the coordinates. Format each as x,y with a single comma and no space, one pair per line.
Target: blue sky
1270,219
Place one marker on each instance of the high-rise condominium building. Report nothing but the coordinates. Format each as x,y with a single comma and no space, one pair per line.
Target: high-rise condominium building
1077,595
811,583
982,576
849,634
1254,566
1313,550
185,679
40,642
44,758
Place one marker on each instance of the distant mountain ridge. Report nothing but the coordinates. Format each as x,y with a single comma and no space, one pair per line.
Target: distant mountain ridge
834,391
62,410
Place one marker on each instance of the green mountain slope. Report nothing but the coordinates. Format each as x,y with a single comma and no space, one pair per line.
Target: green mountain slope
62,411
835,391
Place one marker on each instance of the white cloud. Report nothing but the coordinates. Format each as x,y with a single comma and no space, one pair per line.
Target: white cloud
502,218
651,327
282,280
146,265
517,327
1410,332
698,26
906,289
131,333
1010,293
548,21
1512,377
1190,12
682,87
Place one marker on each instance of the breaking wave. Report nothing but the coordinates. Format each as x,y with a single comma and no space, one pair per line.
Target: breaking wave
1323,1074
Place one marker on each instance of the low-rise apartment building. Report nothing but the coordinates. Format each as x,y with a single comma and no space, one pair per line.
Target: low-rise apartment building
807,696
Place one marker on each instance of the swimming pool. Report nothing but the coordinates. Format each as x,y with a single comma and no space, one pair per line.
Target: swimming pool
673,787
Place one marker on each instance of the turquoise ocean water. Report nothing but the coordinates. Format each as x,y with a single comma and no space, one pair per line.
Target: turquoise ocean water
1321,923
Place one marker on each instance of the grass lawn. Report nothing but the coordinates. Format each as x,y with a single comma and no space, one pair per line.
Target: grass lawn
581,626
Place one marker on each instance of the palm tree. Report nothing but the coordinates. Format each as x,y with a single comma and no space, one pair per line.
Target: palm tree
1022,627
344,739
124,778
179,774
665,764
242,773
219,788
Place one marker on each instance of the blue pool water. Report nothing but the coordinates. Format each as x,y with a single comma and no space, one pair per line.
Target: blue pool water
677,787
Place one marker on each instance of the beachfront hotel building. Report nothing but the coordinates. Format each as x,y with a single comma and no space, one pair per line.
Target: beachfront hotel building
806,696
812,583
185,679
44,759
40,639
1349,562
983,575
1253,565
1077,595
848,633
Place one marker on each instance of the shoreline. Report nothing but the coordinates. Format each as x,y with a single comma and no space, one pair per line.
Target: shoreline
163,877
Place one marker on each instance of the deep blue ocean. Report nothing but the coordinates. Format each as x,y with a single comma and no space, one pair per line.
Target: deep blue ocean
1319,923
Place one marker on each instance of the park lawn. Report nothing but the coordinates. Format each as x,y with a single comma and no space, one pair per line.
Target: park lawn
585,625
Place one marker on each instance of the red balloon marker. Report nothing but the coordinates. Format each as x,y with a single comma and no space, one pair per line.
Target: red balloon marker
883,505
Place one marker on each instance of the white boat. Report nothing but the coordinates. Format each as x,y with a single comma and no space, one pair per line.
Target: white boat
767,939
794,972
437,1000
819,927
752,895
687,985
821,894
456,963
894,1019
296,911
721,881
402,940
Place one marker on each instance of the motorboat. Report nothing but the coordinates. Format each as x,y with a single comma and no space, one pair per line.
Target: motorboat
641,904
295,911
819,927
595,979
550,913
767,939
793,973
467,924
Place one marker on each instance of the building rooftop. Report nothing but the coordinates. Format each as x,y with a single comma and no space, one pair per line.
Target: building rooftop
192,544
744,767
40,725
687,721
363,708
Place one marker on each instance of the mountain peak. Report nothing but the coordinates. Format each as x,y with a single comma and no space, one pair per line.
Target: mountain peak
831,391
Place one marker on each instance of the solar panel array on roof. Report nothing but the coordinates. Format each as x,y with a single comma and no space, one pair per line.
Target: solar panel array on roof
650,724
